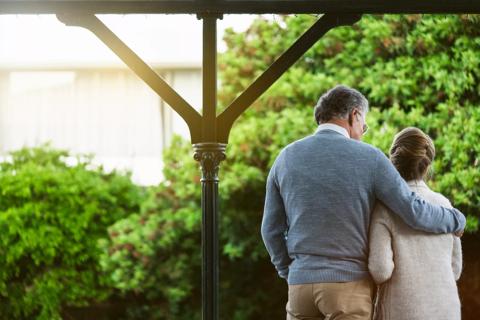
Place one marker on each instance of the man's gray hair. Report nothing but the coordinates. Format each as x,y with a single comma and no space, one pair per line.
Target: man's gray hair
339,102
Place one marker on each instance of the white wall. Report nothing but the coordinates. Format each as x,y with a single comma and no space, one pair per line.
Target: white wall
108,113
61,84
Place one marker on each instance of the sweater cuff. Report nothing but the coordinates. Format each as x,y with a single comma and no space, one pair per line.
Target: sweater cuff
283,273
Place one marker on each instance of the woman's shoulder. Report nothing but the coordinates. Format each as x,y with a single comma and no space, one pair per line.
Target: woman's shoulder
382,214
424,191
441,200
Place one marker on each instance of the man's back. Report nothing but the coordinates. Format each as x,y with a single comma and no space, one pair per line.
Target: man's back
326,183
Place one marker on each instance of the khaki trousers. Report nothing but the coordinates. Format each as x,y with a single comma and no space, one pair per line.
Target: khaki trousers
331,301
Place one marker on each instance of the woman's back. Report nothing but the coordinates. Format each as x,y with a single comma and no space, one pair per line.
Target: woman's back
418,270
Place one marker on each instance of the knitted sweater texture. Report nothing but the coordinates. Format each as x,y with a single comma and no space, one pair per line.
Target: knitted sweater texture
417,271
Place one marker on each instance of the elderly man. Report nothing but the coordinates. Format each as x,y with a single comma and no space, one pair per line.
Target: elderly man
321,191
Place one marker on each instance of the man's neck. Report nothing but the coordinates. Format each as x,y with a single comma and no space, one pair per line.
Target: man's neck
340,122
336,126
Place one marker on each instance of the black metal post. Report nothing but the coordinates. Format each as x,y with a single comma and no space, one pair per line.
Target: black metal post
209,153
209,77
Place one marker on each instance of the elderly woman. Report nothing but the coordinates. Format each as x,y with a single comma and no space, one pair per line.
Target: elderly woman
416,271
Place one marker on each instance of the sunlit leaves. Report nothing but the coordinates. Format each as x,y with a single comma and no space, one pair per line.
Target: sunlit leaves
51,216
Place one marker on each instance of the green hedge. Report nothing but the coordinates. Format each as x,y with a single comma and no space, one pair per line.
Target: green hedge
51,216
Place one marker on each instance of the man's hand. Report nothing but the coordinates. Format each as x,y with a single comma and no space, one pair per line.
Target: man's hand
459,233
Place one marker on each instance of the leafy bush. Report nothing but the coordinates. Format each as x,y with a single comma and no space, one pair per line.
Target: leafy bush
156,254
51,217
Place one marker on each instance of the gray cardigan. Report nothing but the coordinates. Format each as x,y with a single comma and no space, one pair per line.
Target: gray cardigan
417,270
321,191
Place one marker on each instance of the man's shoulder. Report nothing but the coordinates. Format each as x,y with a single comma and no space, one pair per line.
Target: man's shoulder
292,147
365,149
313,141
300,143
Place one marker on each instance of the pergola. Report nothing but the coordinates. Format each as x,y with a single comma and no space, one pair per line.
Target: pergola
209,131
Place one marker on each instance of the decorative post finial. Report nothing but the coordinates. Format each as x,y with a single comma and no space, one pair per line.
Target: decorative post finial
209,155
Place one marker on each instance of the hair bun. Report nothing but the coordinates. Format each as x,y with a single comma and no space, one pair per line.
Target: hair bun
412,153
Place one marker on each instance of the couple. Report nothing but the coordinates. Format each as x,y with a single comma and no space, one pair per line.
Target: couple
339,213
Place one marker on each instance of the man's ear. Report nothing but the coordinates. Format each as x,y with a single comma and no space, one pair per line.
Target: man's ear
351,115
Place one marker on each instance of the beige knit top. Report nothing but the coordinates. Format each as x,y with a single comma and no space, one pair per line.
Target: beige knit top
416,271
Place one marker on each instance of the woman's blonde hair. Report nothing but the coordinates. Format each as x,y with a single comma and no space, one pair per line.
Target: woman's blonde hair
412,152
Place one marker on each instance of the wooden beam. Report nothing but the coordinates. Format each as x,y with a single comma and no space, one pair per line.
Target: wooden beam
238,6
